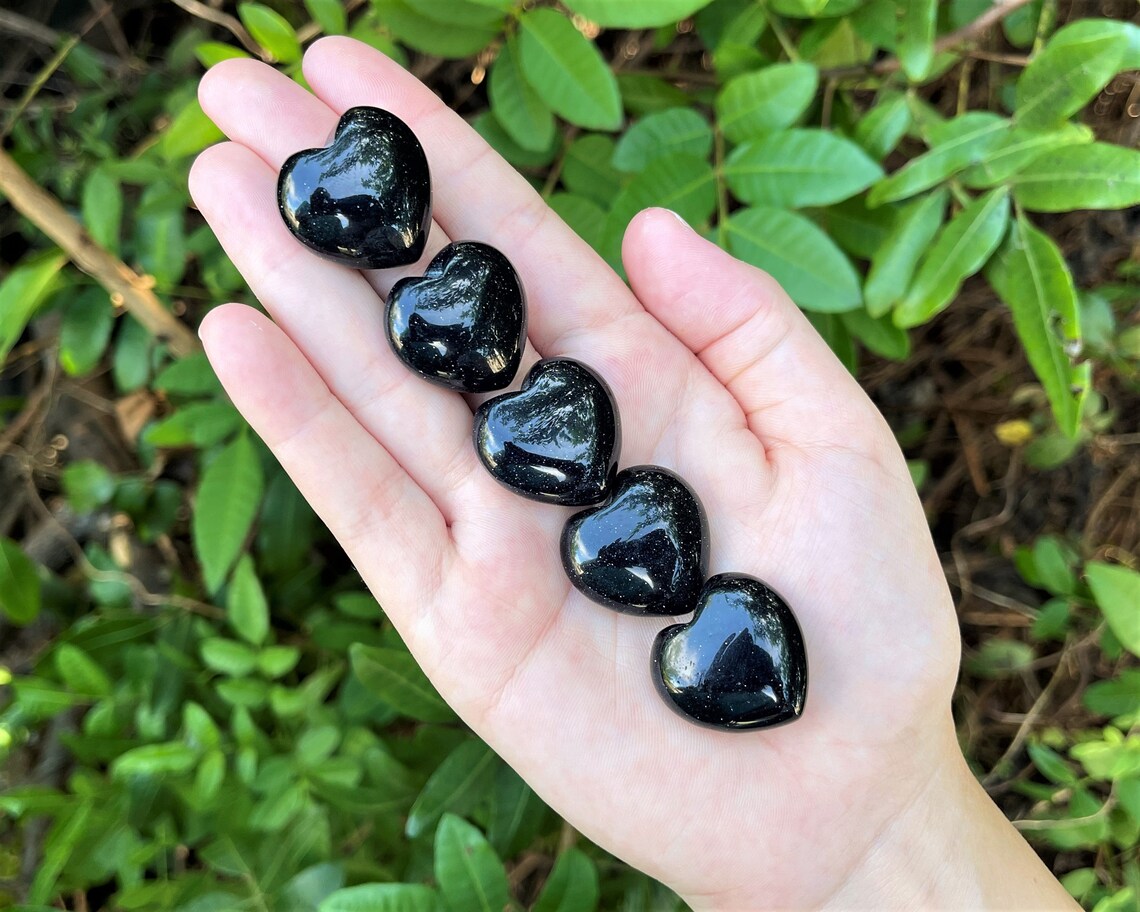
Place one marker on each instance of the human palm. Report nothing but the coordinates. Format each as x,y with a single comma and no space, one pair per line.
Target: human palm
716,376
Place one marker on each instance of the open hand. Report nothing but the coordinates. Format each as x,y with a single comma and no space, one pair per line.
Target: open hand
717,376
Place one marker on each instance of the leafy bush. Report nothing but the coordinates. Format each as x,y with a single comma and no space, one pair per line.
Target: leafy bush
243,728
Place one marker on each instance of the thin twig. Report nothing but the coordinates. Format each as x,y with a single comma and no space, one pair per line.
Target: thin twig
225,20
37,84
47,213
947,42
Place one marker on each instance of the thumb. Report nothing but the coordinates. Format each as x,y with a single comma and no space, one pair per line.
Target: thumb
745,329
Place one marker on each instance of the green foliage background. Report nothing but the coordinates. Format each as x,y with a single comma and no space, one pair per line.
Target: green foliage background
246,730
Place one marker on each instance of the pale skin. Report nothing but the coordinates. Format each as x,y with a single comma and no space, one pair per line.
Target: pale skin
864,802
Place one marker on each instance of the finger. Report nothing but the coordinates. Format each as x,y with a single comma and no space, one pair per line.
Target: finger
748,333
478,196
266,111
383,519
336,320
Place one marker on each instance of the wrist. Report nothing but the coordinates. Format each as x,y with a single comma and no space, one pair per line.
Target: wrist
951,848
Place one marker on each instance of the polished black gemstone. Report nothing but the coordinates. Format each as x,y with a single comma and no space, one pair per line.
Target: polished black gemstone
463,323
739,663
644,551
365,199
556,439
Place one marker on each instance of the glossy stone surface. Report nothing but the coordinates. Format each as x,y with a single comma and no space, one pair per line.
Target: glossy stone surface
645,550
557,439
739,663
365,199
463,323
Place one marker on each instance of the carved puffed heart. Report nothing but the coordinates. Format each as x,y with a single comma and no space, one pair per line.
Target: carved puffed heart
739,663
645,550
556,439
463,323
365,199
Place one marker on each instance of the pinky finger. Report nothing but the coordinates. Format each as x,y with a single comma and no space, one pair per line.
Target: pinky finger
391,529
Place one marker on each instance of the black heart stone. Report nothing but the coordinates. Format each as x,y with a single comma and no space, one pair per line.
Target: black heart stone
463,323
739,663
365,199
556,439
644,551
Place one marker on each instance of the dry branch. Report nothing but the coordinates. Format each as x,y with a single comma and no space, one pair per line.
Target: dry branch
120,281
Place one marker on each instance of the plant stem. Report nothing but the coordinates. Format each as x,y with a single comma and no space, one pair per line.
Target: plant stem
947,42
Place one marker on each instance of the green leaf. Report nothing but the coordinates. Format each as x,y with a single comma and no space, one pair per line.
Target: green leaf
572,885
467,14
955,145
102,208
487,126
226,504
228,656
1075,64
1018,148
277,661
796,168
22,291
88,485
1053,565
1031,276
798,255
636,14
211,773
858,231
246,605
329,15
210,53
271,30
587,169
59,847
189,133
880,129
20,588
395,677
999,658
82,674
960,250
879,335
131,361
160,238
516,814
382,897
1118,697
765,101
1117,593
584,216
200,424
88,320
1051,764
644,93
172,757
567,71
672,130
916,37
812,9
893,265
189,376
1096,176
411,24
468,871
680,182
457,785
524,116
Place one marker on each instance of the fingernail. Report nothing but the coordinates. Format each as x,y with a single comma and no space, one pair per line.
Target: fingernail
675,215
